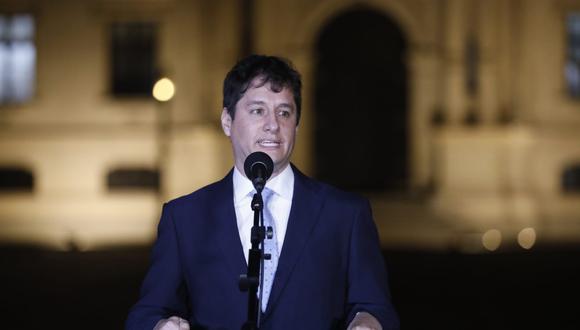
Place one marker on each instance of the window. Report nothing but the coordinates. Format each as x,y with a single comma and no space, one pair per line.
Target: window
572,70
17,58
16,179
133,58
124,179
571,179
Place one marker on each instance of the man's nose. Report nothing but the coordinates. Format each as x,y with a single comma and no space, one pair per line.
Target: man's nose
271,123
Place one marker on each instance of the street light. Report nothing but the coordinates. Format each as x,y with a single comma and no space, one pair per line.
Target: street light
163,91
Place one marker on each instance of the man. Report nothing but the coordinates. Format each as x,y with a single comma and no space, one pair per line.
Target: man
327,267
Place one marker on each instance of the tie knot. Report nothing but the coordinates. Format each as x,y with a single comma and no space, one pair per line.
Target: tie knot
267,193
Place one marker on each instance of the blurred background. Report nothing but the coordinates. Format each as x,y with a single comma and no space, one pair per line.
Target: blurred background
458,119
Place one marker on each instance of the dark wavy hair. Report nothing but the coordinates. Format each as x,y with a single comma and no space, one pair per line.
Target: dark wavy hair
277,71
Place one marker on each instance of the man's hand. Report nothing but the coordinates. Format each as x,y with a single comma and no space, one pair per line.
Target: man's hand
172,323
364,321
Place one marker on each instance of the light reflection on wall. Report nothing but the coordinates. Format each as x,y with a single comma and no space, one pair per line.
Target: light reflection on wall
527,238
491,239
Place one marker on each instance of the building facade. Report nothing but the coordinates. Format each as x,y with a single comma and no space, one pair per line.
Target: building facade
487,123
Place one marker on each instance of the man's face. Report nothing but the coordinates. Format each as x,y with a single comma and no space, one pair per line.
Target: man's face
264,121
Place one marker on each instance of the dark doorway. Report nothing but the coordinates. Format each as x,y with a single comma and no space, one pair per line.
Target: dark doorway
361,102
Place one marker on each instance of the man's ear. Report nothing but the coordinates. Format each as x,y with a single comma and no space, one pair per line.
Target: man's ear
226,122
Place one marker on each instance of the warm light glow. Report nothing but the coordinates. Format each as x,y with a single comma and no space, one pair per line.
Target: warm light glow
163,90
527,238
491,239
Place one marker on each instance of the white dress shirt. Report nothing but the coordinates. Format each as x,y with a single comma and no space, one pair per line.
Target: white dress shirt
279,205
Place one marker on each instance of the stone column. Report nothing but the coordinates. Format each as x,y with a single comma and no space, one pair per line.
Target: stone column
423,79
454,37
487,96
506,66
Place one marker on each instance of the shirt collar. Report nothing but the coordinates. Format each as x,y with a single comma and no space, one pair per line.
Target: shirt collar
282,184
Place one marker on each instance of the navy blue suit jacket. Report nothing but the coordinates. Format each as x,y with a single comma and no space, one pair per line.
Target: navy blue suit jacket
330,266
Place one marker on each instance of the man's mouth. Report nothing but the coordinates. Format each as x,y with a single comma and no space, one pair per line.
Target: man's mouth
269,143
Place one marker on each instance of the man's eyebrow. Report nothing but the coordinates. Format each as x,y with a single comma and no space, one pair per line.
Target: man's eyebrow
286,105
257,102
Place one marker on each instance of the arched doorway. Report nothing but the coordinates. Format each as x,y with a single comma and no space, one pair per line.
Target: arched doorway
360,103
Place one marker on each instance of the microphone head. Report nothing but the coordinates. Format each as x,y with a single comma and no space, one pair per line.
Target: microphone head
258,167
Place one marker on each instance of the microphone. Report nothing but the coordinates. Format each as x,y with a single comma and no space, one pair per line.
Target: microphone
258,167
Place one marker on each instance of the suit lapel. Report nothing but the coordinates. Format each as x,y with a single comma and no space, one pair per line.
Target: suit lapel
226,225
306,204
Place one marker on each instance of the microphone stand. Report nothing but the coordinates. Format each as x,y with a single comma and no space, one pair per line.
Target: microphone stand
252,280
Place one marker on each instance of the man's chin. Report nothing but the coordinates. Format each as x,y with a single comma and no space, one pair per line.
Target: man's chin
273,153
280,166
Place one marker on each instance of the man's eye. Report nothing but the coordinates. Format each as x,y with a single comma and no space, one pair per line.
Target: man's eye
284,113
257,111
